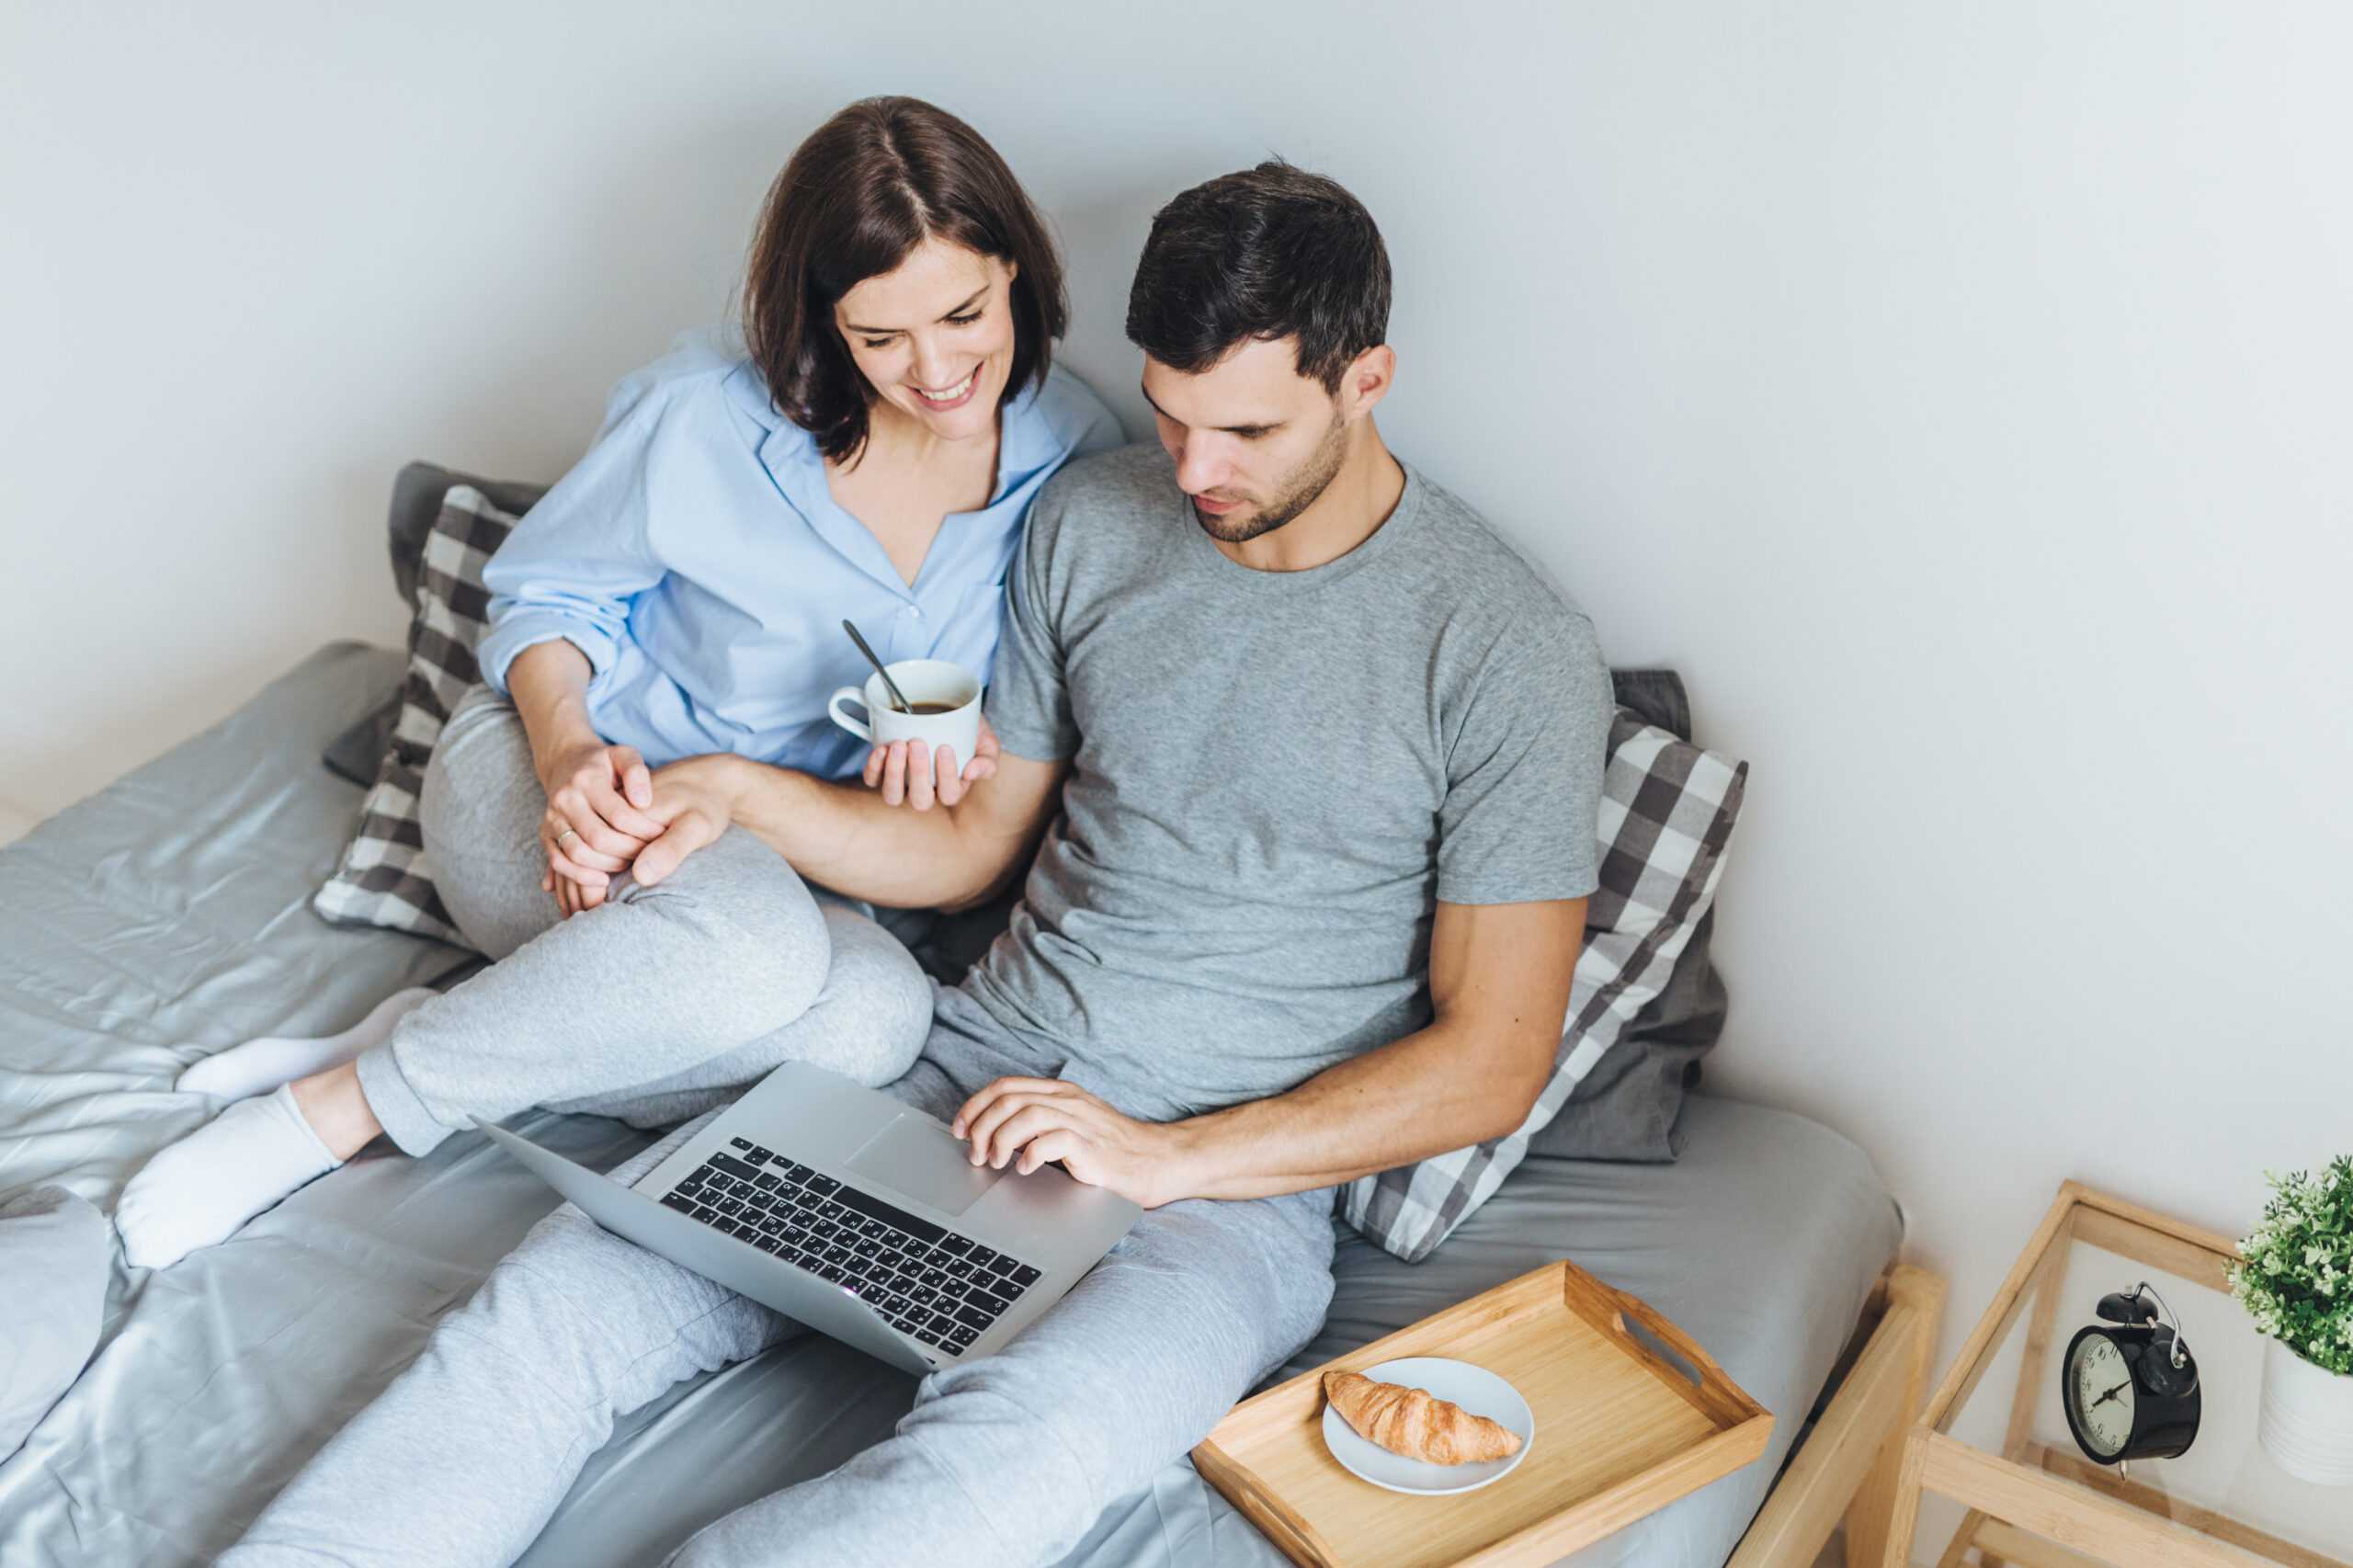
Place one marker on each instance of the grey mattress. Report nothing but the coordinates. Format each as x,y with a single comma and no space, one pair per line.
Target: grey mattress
169,915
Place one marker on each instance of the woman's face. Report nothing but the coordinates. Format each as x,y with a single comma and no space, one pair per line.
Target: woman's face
935,336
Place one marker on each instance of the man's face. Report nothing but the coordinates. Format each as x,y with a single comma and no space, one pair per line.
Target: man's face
1255,441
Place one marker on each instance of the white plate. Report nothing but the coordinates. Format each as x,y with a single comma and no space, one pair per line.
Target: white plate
1475,1389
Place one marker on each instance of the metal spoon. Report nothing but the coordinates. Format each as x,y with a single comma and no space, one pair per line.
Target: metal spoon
888,684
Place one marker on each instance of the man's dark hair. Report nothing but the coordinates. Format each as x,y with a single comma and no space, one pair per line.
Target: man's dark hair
858,195
1269,252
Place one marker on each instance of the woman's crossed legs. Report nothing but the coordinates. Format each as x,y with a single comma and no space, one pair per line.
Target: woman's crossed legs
649,1007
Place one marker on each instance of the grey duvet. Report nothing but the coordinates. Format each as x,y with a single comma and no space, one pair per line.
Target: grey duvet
169,915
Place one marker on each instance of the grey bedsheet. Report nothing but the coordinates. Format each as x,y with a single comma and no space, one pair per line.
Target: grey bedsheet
169,917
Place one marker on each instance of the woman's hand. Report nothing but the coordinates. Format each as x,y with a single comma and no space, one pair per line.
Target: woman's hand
597,794
906,770
1041,1121
598,820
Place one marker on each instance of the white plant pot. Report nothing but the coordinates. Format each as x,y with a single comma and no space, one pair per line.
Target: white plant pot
2307,1426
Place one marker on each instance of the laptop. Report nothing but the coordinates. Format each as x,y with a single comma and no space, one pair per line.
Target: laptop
856,1215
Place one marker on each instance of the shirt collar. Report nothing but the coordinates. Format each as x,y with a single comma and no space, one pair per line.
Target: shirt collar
1025,444
795,466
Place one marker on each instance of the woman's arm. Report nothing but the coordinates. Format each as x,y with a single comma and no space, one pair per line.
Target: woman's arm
596,821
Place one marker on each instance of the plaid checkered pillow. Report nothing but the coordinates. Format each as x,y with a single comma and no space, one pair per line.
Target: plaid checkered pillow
383,880
1667,809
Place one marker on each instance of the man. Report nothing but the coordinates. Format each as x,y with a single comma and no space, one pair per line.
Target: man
1316,760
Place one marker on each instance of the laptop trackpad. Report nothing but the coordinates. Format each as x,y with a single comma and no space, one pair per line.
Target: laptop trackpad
917,1157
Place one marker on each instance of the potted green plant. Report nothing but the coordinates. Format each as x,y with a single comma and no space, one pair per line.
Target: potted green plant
2298,1282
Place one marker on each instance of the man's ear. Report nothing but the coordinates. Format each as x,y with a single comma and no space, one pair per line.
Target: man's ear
1367,381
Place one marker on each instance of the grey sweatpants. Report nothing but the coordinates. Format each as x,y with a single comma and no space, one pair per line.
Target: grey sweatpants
654,1006
1003,1463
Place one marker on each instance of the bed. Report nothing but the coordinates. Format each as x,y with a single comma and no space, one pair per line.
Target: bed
168,915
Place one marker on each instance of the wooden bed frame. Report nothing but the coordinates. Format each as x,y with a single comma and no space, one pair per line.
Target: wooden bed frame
1846,1466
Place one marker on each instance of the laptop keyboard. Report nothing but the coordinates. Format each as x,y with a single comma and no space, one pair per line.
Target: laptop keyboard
924,1279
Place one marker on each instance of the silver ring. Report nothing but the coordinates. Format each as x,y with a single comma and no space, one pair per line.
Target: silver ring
567,833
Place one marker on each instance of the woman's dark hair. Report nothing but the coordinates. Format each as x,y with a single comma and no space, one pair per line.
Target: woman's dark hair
1269,252
858,195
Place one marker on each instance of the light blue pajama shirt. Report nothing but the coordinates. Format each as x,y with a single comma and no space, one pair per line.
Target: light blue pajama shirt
697,558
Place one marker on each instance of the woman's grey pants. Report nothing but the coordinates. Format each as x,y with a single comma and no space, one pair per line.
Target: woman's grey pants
1003,1463
652,1007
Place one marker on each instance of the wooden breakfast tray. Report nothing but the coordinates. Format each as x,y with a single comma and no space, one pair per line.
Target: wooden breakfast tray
1620,1433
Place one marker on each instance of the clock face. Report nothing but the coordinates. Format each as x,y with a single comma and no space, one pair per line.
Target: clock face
2101,1394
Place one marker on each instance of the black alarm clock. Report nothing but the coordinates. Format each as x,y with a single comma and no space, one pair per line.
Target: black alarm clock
2132,1391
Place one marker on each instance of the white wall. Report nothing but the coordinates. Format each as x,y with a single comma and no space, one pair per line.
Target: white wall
1958,395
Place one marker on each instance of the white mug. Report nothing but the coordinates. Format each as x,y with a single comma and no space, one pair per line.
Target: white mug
922,680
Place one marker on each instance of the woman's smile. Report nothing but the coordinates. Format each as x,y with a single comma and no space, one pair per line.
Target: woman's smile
956,396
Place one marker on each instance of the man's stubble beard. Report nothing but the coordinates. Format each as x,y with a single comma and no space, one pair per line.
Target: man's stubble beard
1300,489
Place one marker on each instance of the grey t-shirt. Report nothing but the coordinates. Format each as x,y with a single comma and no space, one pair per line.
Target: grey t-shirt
1275,776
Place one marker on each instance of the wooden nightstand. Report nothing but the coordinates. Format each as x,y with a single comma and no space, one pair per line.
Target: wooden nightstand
1849,1464
2033,1498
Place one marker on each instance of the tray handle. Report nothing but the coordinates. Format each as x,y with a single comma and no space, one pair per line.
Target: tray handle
1716,1394
1293,1535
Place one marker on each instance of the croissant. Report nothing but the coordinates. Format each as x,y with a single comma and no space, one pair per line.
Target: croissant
1411,1423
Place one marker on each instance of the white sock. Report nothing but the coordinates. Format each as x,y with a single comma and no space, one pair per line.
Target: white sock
260,1065
198,1190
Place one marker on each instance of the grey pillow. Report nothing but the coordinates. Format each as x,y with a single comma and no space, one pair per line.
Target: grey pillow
355,753
417,493
385,876
56,1253
1627,1108
1667,811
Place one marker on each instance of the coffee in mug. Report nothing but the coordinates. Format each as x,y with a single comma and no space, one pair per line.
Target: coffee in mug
943,707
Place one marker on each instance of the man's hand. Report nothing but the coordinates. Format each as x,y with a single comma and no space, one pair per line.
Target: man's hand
597,820
690,808
906,770
1038,1121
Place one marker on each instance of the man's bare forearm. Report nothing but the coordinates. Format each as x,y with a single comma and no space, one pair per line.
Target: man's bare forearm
904,858
1406,1101
1499,978
1499,984
843,835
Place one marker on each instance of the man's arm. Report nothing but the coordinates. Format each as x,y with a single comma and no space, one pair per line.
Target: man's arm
1499,990
851,840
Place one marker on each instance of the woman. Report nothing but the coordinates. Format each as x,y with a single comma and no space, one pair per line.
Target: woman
680,592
